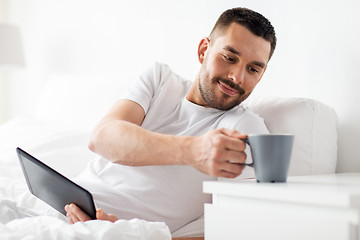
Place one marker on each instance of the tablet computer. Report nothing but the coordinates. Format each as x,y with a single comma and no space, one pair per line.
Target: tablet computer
52,187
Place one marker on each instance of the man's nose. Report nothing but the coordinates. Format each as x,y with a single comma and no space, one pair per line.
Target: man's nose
237,75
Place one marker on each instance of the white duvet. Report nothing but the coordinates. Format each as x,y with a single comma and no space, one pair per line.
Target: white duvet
23,216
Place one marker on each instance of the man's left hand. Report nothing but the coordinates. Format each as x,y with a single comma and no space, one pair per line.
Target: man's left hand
75,214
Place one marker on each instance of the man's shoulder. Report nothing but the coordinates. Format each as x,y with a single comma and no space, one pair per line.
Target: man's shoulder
165,75
161,83
159,67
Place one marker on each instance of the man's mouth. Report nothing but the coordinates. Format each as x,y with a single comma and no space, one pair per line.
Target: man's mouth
227,89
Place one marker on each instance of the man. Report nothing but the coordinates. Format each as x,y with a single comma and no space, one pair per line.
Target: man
168,135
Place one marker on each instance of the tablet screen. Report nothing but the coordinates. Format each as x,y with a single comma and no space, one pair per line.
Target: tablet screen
52,187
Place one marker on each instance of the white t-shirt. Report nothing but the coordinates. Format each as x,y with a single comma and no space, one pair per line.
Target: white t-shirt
172,194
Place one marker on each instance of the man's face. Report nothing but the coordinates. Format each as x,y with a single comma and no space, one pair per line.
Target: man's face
232,65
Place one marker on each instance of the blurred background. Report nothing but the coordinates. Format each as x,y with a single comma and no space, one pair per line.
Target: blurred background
317,54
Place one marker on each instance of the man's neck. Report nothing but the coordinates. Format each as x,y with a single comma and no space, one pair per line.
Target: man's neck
194,94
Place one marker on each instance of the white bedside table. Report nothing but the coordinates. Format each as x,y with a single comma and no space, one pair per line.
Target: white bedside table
307,207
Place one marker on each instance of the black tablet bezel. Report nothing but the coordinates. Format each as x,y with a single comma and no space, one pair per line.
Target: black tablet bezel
52,187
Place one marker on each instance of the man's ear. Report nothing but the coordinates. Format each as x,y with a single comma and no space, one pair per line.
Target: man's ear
203,46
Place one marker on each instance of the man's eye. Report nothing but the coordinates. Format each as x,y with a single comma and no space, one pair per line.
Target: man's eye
254,70
229,59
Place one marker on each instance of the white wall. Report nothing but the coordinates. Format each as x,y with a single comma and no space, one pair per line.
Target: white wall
3,82
317,54
2,10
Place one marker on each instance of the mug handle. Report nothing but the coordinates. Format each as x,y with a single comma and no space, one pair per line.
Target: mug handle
245,140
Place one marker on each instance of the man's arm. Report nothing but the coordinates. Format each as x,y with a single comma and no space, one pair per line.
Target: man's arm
120,138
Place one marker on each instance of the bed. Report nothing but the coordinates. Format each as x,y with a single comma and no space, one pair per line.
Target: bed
57,133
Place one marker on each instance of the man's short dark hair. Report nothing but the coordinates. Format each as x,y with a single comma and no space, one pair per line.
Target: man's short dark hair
253,21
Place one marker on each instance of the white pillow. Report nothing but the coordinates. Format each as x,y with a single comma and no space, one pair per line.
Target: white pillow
314,125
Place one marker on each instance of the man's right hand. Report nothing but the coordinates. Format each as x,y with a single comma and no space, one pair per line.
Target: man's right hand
219,153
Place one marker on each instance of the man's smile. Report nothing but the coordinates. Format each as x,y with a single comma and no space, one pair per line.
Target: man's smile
227,89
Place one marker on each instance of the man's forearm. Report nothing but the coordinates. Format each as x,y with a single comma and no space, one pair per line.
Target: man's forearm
217,153
129,144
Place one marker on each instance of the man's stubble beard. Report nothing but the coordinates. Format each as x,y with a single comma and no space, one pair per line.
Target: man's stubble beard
207,90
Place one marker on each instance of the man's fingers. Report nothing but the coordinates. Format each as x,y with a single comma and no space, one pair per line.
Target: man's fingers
99,214
231,174
228,142
233,133
232,168
75,214
234,156
69,214
225,174
226,169
235,144
79,213
72,218
105,216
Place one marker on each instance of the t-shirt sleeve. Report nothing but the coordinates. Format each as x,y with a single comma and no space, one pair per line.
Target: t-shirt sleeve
142,89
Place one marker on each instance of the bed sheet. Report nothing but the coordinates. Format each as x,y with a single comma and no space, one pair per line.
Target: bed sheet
23,216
